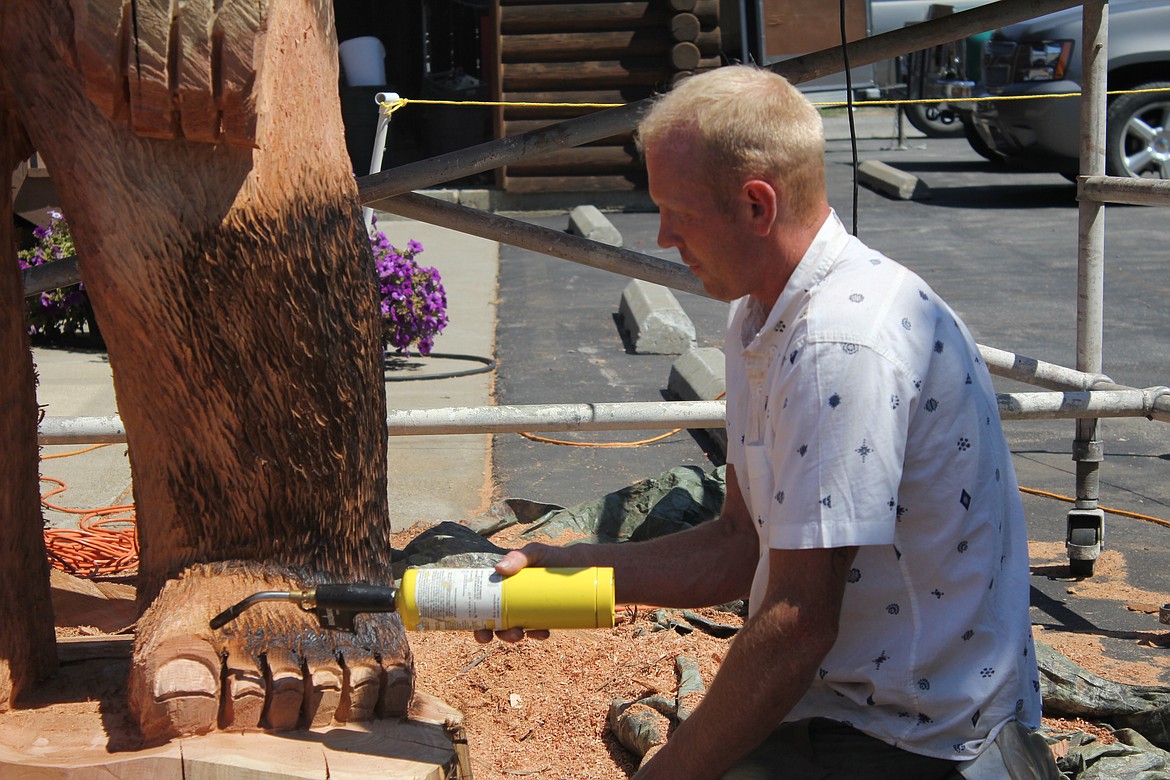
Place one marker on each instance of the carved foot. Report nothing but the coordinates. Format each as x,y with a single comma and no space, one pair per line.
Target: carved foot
273,668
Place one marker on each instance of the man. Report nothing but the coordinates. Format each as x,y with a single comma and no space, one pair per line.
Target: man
872,510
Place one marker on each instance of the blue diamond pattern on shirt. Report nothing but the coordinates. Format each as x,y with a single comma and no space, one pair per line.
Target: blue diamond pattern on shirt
863,450
827,501
923,295
965,499
780,497
938,347
857,297
930,405
792,357
906,324
834,400
802,449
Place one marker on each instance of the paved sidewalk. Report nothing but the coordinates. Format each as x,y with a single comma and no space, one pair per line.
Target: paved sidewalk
431,478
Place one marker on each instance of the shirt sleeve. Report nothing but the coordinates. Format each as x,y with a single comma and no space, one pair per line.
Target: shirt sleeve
833,444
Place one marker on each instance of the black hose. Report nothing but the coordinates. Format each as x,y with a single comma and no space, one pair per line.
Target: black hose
488,365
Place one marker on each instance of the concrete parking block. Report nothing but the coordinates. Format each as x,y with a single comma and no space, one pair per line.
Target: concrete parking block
888,180
588,221
654,320
700,375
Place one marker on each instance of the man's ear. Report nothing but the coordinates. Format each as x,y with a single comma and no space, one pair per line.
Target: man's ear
762,204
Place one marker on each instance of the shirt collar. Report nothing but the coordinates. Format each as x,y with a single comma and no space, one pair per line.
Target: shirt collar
826,246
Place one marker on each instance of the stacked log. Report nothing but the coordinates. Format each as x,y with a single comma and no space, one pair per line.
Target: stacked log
583,52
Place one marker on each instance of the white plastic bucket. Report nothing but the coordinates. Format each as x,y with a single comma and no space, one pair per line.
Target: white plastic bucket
364,61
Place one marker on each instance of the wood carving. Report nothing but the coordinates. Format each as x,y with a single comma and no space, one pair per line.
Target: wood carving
199,155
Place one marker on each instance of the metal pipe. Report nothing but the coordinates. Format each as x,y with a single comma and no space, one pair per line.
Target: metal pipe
50,276
378,153
550,242
516,233
1078,405
1115,401
1036,372
1120,189
1087,450
634,416
373,190
82,430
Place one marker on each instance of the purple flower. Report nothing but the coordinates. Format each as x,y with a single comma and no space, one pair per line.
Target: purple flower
57,312
414,303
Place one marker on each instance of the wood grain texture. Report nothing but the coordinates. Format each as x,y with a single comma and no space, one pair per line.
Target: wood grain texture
101,38
26,616
152,105
195,79
424,746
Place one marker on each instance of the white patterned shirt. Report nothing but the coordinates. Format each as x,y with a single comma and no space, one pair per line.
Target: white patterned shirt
859,413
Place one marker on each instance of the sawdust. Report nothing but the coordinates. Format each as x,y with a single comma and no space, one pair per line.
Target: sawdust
538,709
1088,647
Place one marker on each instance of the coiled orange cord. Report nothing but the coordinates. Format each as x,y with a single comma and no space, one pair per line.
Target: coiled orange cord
105,541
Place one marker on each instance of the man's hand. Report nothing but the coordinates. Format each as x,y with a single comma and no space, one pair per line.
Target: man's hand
514,561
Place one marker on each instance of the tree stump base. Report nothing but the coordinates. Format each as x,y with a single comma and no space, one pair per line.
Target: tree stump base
76,726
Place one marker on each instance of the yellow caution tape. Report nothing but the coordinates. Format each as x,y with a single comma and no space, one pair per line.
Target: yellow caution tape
390,107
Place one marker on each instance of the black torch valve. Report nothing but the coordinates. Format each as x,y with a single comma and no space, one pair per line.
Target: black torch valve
335,605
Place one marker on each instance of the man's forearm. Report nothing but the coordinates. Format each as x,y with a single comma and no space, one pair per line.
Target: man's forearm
709,564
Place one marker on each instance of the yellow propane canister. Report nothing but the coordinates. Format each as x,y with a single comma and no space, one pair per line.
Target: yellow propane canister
536,598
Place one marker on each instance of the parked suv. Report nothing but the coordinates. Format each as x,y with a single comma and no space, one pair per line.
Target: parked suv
1042,57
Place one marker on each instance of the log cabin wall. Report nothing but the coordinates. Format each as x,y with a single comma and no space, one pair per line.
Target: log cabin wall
591,52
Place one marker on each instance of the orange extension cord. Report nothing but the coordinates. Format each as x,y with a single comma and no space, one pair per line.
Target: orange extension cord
106,541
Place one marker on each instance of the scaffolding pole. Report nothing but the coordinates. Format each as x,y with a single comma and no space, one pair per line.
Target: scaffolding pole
1086,521
1118,401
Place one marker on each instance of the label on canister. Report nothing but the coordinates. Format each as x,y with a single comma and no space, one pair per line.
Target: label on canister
457,599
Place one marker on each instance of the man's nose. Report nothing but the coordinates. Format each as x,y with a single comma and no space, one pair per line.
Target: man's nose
666,236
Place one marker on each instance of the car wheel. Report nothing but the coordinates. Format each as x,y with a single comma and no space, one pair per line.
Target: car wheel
1138,135
934,123
978,144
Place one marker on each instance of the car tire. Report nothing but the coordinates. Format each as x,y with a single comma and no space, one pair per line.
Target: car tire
1137,139
927,119
978,144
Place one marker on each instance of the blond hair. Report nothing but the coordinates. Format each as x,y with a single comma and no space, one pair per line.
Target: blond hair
750,123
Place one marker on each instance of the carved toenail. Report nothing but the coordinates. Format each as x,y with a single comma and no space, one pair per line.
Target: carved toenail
184,677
